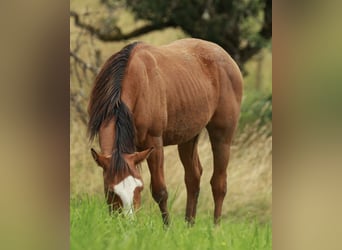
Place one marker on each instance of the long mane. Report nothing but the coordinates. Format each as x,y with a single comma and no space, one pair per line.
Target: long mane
105,104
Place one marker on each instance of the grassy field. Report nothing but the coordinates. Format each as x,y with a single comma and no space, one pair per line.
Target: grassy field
92,228
246,222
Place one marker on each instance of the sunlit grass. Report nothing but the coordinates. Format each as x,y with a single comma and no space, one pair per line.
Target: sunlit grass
92,228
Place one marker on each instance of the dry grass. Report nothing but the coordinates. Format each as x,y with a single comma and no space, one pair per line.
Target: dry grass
249,174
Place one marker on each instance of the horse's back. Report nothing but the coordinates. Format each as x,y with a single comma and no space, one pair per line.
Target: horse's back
206,64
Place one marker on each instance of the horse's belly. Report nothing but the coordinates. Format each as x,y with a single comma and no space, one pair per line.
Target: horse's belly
188,113
183,129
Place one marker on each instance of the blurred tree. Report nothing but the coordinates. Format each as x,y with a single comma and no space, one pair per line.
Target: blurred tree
241,27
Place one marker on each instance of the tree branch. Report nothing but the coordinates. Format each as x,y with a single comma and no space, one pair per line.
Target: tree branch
247,52
79,108
83,63
117,35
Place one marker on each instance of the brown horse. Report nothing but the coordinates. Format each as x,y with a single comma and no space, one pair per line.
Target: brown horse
147,97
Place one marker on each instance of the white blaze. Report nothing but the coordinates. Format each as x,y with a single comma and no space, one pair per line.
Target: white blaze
125,189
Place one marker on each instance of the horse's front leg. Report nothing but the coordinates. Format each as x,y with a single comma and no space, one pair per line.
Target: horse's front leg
158,187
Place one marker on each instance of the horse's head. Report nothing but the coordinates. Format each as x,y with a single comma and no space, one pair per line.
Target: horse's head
122,189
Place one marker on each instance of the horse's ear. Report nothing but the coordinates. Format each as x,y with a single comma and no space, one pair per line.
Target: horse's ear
95,156
140,156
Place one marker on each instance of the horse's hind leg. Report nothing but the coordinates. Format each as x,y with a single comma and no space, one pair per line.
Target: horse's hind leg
193,171
220,139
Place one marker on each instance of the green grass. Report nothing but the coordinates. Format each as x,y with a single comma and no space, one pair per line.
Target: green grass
91,227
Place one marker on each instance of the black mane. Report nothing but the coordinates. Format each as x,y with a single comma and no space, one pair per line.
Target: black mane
105,104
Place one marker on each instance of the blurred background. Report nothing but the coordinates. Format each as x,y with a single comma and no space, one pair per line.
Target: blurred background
100,28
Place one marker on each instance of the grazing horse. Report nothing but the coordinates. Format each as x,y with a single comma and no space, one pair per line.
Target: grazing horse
146,97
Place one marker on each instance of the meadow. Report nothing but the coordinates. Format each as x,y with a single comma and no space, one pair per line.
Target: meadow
92,228
246,222
247,209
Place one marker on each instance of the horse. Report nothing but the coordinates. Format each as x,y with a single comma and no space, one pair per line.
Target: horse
146,97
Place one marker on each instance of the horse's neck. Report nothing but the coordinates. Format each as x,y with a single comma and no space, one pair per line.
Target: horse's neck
107,137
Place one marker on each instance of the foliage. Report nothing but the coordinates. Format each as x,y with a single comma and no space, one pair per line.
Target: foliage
92,228
256,108
242,28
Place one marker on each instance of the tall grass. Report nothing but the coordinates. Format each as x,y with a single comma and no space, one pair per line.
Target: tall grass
93,228
249,175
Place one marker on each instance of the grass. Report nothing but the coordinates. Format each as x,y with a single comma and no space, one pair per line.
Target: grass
246,218
249,173
92,228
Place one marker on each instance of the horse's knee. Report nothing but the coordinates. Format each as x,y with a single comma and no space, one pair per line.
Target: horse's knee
219,188
160,195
